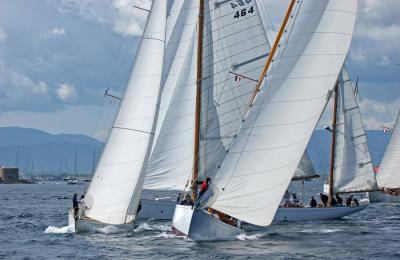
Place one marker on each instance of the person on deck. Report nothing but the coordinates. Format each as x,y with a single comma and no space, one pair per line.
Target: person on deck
204,186
334,202
75,204
354,203
339,200
313,202
348,201
324,199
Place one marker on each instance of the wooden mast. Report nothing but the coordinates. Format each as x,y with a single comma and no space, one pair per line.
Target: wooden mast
333,144
273,51
198,99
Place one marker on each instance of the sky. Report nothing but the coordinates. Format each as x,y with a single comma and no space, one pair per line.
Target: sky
57,58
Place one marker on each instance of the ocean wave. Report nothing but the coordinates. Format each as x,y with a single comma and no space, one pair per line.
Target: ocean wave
59,230
250,237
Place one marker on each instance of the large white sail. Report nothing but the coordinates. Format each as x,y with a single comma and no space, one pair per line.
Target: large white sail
305,169
172,156
175,52
234,50
254,175
352,165
389,173
117,183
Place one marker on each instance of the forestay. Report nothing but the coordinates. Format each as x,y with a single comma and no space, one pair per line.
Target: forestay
305,169
117,183
234,51
352,165
389,173
172,157
263,157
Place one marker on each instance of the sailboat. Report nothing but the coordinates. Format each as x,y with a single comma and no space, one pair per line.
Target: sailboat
269,135
351,168
113,195
388,177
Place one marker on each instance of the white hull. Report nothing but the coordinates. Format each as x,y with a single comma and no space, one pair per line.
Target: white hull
378,196
313,214
157,209
164,210
93,226
200,225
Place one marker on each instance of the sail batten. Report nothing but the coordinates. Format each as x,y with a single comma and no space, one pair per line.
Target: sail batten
117,183
279,125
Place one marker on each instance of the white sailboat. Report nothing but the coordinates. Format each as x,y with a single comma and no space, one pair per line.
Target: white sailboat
388,176
351,167
261,153
113,195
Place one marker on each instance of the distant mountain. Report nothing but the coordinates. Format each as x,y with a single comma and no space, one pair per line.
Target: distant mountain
47,153
55,154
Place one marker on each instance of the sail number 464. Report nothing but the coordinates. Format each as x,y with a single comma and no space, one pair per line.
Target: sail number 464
243,12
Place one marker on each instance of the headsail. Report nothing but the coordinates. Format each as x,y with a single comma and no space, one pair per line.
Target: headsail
117,183
172,156
352,164
234,50
305,169
172,153
254,175
389,173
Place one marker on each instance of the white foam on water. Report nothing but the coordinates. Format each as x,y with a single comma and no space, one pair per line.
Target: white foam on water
322,230
165,235
107,230
249,237
148,227
59,230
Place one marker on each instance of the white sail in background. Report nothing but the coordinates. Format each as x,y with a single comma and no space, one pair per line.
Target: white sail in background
352,165
117,183
263,157
305,168
234,50
175,52
389,173
172,156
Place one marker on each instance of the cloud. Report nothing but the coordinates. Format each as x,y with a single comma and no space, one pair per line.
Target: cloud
120,14
66,92
54,33
377,114
3,35
58,32
17,91
129,21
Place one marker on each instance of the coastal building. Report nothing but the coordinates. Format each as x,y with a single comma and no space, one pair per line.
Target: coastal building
9,175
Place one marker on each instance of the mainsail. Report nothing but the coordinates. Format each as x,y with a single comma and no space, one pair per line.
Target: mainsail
116,186
172,154
234,50
262,159
389,173
352,164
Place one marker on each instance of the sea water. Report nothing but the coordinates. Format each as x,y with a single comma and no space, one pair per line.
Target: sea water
34,225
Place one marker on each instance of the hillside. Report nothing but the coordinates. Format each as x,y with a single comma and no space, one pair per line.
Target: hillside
55,154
